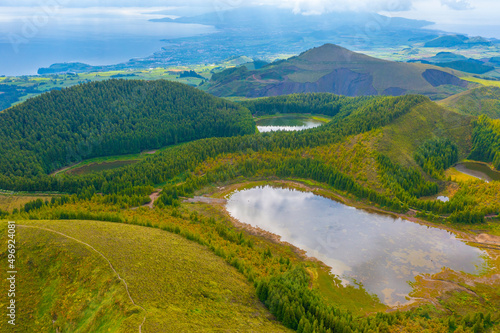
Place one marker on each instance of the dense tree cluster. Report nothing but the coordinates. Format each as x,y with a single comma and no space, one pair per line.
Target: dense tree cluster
467,217
163,166
402,179
279,154
314,103
290,299
282,285
109,118
486,140
436,155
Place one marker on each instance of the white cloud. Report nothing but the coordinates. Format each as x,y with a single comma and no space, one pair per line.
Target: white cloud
302,5
322,6
457,4
463,12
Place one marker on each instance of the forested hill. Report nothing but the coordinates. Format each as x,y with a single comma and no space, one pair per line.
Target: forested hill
314,103
486,140
109,118
478,101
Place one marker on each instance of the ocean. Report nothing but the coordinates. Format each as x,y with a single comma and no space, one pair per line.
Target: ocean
30,43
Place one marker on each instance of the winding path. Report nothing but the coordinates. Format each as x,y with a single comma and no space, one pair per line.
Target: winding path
102,255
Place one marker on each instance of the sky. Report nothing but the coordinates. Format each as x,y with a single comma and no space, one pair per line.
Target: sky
469,16
463,12
27,26
466,12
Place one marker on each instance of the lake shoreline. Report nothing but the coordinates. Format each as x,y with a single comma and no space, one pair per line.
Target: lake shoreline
425,288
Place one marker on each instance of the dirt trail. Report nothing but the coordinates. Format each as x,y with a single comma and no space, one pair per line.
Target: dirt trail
207,200
155,195
102,255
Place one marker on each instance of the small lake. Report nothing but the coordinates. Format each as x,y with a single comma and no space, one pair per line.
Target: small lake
287,123
95,167
478,170
381,252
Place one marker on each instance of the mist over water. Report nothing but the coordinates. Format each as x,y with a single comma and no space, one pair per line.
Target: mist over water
487,31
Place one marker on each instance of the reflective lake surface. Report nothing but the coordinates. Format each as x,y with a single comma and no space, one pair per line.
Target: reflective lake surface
478,170
443,198
379,251
287,123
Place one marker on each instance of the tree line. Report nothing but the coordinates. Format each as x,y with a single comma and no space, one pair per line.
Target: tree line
486,140
436,155
268,154
106,118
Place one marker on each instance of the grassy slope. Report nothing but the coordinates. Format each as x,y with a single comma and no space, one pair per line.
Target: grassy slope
424,122
182,286
488,83
62,284
356,155
9,202
483,100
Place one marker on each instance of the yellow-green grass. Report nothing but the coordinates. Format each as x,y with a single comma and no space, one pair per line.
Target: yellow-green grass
483,100
426,121
63,286
328,286
355,156
182,286
9,202
457,176
482,81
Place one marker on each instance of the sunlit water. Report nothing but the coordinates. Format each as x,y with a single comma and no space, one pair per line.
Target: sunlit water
379,251
478,170
287,123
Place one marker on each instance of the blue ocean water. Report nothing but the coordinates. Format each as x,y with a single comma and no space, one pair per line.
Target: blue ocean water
27,45
487,31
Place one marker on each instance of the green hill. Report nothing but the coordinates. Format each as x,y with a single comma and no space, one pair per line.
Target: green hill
459,41
381,152
69,283
447,41
106,118
478,101
486,141
333,69
469,66
445,57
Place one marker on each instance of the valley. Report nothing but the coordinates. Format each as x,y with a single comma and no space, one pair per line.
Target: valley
273,170
386,154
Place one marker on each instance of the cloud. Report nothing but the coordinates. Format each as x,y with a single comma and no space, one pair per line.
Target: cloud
316,6
457,4
322,6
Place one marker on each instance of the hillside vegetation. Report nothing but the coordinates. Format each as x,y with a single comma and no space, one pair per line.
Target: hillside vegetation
478,101
333,69
486,141
399,127
367,153
177,285
109,118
